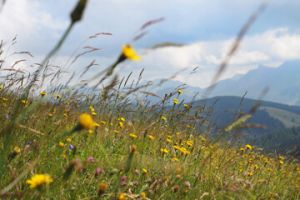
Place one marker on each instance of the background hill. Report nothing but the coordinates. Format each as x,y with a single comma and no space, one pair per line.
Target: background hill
281,122
283,83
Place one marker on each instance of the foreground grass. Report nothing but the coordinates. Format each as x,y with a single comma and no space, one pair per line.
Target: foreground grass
135,158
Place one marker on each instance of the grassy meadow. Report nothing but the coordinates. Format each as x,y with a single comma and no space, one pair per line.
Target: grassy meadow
64,143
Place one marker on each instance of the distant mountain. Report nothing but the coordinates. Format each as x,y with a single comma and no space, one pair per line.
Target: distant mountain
283,83
281,122
162,87
270,114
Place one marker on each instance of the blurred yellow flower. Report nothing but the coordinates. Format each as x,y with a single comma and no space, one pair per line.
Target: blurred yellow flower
179,91
121,124
145,171
122,119
68,139
38,180
133,136
143,195
93,111
17,150
249,147
169,140
184,151
61,144
130,53
190,143
175,101
163,118
151,137
122,196
186,106
43,93
86,121
164,150
175,159
24,102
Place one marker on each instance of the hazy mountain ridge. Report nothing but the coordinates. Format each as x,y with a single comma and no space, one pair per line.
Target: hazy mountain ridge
281,122
283,83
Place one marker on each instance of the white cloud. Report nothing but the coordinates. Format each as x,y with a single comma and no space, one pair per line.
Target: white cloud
269,48
27,19
39,28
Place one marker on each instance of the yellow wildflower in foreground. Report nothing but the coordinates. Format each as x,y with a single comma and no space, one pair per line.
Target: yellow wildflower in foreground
86,121
248,146
122,196
61,144
179,91
175,101
24,102
17,150
151,137
145,171
175,159
163,118
43,93
143,195
38,180
130,53
164,150
133,136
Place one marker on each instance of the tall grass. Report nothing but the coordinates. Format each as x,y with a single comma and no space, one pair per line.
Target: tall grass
124,146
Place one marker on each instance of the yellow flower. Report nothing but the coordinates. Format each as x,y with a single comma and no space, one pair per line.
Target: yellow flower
43,93
122,119
17,150
86,121
169,140
186,106
61,144
133,136
68,139
248,146
38,180
24,102
143,195
242,149
163,118
190,143
184,151
175,159
164,150
179,91
281,162
175,101
130,53
151,137
121,124
145,171
93,111
122,196
176,147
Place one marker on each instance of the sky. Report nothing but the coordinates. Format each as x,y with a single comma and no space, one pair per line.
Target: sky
206,28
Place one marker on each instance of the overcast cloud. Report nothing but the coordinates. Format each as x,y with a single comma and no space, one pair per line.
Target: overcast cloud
207,29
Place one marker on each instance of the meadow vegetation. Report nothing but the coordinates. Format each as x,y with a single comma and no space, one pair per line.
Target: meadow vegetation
65,143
